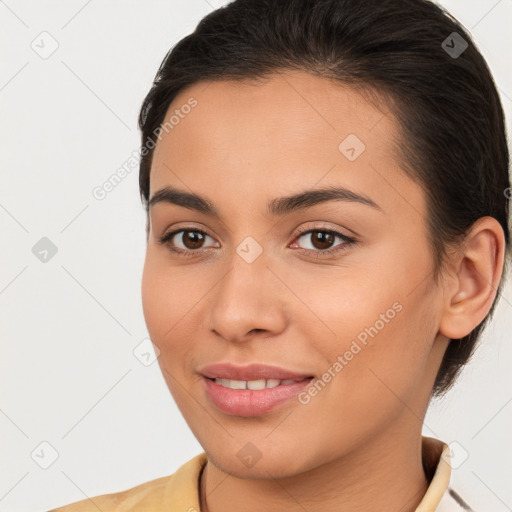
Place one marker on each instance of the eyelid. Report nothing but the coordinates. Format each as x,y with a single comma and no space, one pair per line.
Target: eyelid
311,226
186,227
348,240
169,235
346,234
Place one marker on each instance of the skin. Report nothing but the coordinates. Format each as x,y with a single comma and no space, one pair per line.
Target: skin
358,442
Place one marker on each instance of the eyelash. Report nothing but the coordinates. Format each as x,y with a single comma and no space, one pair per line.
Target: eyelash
317,253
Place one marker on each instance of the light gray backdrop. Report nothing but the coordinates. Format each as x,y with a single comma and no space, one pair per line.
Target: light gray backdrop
81,414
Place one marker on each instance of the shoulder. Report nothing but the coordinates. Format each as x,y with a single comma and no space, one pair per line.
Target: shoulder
139,495
150,496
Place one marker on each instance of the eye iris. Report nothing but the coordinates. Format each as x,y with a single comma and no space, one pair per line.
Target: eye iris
325,239
195,237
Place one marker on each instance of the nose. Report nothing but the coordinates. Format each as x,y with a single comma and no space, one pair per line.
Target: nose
248,301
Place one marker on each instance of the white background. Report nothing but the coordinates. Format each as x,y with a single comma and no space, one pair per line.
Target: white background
69,326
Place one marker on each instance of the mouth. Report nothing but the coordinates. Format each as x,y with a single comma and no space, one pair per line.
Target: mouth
257,384
254,397
251,373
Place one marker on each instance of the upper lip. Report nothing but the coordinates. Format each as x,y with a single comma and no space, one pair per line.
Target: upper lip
250,372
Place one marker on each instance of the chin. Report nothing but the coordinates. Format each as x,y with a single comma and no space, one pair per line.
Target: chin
258,461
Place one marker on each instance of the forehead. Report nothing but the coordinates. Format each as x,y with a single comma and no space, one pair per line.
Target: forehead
289,131
292,108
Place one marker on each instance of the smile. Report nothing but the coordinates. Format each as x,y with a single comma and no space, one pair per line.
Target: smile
251,398
255,384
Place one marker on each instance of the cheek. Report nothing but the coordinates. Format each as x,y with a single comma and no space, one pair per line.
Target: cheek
168,301
372,386
379,339
162,312
166,298
161,308
153,300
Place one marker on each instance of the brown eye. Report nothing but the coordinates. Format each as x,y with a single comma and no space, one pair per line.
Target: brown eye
183,240
322,239
192,239
322,242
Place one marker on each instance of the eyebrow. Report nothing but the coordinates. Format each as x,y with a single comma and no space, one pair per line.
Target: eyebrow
276,207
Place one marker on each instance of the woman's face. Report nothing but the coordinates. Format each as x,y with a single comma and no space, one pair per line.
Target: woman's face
361,317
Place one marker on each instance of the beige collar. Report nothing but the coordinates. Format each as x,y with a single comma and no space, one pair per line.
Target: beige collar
436,464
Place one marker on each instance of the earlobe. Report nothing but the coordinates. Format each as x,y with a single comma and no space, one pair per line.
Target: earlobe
479,267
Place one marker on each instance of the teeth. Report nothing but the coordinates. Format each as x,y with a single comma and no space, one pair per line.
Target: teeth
253,384
257,384
237,384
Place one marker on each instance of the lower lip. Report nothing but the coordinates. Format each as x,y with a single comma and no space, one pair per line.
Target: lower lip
251,402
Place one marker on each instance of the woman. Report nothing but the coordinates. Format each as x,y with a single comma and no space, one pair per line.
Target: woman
326,186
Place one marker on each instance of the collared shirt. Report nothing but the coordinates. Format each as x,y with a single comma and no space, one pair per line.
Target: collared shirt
179,492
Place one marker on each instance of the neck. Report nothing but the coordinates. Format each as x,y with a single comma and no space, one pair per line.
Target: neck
386,473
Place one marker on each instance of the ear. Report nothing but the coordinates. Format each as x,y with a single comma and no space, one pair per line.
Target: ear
477,269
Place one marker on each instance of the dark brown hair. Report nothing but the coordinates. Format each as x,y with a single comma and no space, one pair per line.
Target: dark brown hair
453,140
